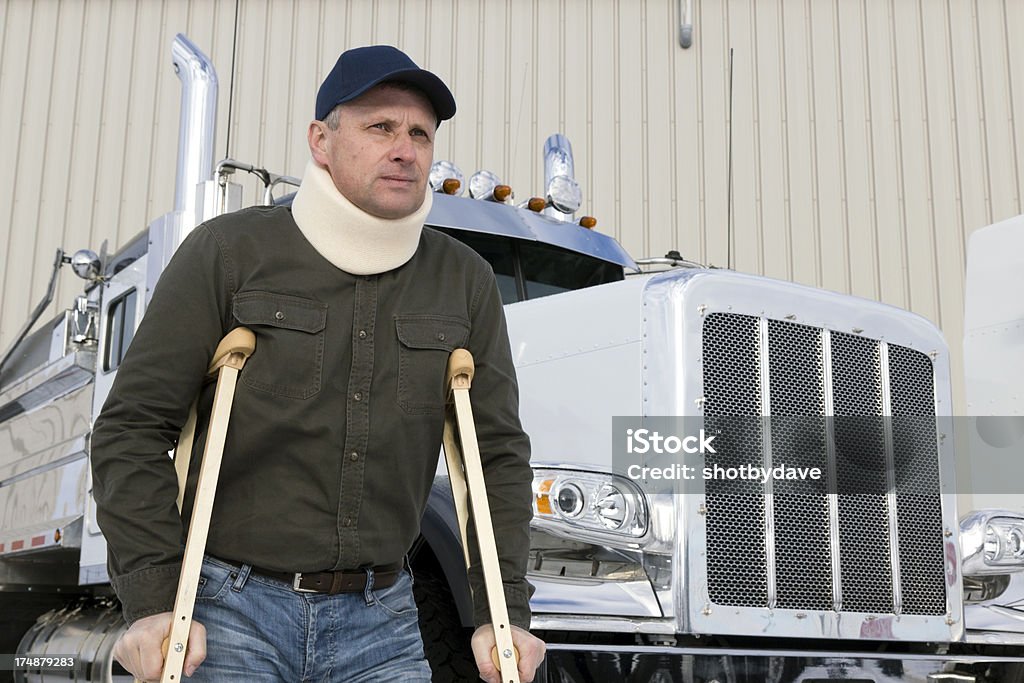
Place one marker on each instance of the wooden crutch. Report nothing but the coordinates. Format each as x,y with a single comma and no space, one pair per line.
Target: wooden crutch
228,359
462,455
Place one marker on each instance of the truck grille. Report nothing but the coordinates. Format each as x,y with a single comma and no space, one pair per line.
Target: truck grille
867,537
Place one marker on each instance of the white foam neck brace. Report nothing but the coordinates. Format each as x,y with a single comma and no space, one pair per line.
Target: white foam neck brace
351,239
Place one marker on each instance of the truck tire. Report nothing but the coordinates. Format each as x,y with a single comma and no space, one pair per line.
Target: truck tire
445,640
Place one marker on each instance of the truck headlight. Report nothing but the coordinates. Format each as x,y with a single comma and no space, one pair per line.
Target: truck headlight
564,194
589,505
1004,542
485,185
992,542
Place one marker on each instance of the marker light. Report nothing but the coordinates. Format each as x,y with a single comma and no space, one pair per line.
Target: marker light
536,204
541,499
442,171
502,193
588,222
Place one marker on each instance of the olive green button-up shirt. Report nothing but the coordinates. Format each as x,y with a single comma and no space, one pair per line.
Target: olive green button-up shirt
336,426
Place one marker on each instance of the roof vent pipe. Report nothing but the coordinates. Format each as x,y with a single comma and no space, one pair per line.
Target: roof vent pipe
197,125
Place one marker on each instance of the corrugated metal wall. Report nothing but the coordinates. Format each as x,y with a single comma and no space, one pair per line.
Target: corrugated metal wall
869,137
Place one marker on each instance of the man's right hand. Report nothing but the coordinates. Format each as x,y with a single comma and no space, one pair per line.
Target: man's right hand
140,650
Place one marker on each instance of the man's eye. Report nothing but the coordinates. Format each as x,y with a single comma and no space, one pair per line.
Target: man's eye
382,126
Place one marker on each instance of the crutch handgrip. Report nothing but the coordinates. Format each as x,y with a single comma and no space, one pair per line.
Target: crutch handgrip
460,370
497,662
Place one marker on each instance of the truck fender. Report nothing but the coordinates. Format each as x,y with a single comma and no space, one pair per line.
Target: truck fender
440,531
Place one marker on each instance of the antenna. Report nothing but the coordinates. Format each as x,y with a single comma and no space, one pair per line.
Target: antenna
231,82
728,173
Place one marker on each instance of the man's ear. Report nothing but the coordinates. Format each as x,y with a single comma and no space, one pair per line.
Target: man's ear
316,135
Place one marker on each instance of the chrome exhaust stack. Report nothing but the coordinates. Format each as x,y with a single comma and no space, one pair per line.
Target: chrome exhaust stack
196,131
197,124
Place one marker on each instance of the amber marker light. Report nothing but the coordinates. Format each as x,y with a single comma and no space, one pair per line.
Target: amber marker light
536,204
544,505
502,193
451,186
588,222
542,498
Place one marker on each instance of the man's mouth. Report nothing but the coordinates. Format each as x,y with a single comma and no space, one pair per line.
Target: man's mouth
397,179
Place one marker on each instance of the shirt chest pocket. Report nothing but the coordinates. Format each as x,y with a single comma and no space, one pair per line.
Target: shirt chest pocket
424,344
289,355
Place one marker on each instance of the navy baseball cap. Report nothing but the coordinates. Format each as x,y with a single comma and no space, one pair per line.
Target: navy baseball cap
361,68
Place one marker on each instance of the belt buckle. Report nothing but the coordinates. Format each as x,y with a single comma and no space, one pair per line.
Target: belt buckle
295,584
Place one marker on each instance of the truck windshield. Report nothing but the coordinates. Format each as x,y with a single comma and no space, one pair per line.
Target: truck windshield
528,270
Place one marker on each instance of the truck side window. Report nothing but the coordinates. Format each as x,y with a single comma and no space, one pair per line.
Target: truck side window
550,270
120,329
498,252
543,269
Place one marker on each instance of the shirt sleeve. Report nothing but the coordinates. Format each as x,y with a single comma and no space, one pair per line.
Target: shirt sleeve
505,456
134,482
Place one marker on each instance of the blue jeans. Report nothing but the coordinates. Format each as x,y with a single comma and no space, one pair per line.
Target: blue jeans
259,629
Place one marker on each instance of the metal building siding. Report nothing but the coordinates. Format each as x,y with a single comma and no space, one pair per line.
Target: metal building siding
868,138
89,107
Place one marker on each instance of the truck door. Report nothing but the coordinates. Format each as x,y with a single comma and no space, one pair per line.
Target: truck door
121,307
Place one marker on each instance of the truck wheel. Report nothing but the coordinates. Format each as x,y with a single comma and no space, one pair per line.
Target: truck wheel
445,640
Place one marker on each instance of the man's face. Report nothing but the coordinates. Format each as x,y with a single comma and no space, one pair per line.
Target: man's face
380,155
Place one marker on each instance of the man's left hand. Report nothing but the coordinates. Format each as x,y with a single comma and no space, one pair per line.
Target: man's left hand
531,653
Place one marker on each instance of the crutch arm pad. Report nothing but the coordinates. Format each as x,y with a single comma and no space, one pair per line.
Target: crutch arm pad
460,370
233,350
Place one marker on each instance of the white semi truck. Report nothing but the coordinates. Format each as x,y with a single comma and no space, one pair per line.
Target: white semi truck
863,576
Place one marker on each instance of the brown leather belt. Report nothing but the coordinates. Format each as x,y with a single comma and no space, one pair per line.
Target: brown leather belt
332,583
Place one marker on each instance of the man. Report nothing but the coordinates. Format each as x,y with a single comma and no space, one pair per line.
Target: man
337,416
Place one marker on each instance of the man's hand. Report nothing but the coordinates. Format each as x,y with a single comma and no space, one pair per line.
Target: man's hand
531,653
141,648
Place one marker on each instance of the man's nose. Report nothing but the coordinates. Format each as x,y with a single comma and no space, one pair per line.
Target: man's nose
403,150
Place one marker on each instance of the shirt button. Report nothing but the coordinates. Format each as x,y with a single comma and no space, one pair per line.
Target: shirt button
353,456
440,336
347,521
279,315
357,396
362,334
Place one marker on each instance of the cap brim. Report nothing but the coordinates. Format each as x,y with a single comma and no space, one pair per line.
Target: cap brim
437,92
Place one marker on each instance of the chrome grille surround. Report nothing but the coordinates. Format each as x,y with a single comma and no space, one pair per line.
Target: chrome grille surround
822,355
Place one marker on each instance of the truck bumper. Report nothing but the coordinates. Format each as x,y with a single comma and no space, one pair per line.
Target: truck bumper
569,663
